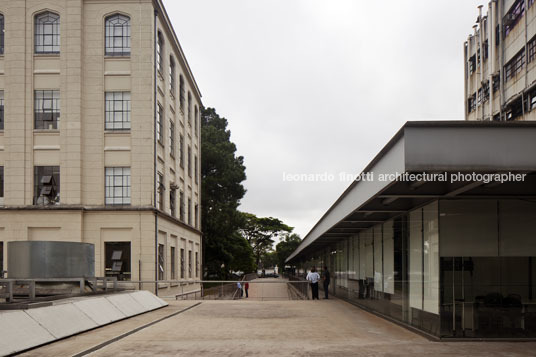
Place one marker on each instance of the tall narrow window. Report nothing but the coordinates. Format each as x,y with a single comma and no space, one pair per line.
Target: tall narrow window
117,185
181,206
159,124
117,35
172,75
196,264
159,53
189,263
47,109
117,111
173,275
189,161
160,190
181,150
1,43
196,216
47,33
181,92
172,199
161,262
46,185
172,138
1,185
182,263
189,109
190,211
196,176
195,119
1,110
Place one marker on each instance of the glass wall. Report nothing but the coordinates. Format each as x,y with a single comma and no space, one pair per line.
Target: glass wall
453,268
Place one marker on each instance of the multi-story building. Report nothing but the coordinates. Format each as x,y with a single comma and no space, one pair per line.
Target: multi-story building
500,57
100,135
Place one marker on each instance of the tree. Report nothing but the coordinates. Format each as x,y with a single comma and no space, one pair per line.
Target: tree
285,248
260,233
222,174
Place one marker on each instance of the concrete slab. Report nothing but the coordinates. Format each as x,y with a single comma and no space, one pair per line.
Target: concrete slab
100,310
18,331
126,304
62,320
148,300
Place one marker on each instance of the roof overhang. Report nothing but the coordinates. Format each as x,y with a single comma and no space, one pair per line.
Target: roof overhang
431,147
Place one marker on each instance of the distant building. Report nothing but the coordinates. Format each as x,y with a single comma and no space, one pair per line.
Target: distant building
100,135
500,75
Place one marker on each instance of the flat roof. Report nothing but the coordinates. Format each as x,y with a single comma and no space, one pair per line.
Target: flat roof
434,147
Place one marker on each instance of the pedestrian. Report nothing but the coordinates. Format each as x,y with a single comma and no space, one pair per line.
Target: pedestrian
239,287
313,278
327,279
246,288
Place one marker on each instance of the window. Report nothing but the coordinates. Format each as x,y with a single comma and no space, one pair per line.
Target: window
189,161
159,124
196,216
532,49
159,53
189,211
47,109
189,109
195,170
1,110
160,188
181,206
471,103
172,200
117,111
485,91
195,119
513,16
182,263
496,82
172,138
173,275
472,64
1,44
172,75
117,186
46,185
47,33
181,151
161,262
181,92
196,264
1,184
514,66
117,260
189,263
117,35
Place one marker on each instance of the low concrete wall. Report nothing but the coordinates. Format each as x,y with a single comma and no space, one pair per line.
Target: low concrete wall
23,329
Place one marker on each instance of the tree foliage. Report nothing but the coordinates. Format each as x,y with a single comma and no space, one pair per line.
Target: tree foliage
285,247
260,233
222,174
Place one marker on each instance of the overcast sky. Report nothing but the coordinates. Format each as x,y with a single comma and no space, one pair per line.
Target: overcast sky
315,86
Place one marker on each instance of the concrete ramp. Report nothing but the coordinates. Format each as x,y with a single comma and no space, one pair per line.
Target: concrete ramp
24,329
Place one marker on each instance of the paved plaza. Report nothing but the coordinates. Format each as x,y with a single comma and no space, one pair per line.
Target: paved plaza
251,327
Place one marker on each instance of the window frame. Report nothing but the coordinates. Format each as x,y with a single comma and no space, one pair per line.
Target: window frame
125,199
113,114
54,111
124,50
41,38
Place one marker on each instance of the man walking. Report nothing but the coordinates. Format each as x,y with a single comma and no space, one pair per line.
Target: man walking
246,288
327,279
313,278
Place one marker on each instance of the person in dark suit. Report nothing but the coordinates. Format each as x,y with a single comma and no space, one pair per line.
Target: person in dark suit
327,278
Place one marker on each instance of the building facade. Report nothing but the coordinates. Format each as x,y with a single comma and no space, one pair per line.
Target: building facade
500,57
100,135
449,251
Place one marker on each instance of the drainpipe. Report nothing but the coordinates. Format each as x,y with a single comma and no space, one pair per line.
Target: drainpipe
481,34
478,68
526,60
500,12
154,159
466,81
491,54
